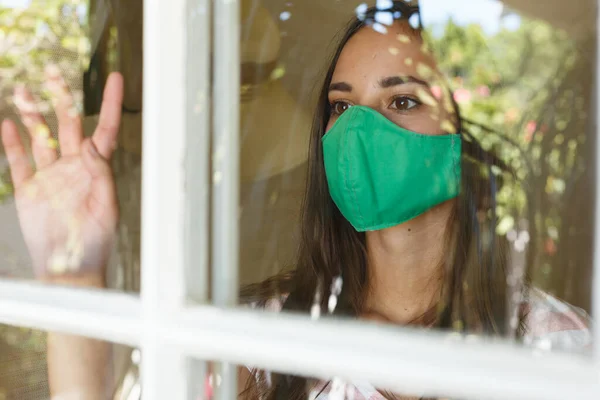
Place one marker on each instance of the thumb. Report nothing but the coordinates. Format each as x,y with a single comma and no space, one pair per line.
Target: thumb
103,188
96,165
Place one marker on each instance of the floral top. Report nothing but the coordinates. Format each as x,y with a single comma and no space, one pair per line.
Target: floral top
552,325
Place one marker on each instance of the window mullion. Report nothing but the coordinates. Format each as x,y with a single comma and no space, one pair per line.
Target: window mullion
198,43
163,192
197,147
114,317
226,119
226,152
403,360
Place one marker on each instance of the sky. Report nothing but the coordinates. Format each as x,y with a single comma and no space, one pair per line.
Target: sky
14,3
490,14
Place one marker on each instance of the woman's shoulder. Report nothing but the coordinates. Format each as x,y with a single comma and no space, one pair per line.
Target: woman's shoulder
553,324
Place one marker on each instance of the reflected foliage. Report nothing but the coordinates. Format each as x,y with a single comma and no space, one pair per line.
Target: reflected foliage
525,94
46,31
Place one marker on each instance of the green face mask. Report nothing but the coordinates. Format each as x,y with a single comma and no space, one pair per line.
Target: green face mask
381,175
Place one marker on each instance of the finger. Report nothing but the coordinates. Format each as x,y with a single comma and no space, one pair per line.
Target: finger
43,146
103,196
20,167
105,136
70,132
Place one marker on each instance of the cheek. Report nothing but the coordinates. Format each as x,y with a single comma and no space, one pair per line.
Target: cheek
433,126
449,116
424,122
329,124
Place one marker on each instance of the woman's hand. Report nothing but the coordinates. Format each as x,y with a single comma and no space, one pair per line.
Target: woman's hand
67,207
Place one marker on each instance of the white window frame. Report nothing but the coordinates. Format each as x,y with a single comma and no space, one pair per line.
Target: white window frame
171,332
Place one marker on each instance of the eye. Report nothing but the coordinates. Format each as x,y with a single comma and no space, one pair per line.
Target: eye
338,107
404,103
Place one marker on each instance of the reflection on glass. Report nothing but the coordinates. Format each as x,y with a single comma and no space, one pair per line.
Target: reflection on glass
37,365
55,62
446,157
23,364
273,154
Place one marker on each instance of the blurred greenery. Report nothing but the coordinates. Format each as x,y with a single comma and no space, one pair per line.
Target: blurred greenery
44,32
47,31
527,93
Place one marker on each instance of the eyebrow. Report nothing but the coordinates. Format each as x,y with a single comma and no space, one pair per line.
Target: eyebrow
384,83
400,80
340,87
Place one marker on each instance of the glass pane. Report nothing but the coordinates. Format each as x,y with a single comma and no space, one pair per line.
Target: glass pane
55,62
36,365
454,186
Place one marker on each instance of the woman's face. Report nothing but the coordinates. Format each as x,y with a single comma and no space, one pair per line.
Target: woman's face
391,74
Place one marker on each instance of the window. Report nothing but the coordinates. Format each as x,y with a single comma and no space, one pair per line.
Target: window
224,167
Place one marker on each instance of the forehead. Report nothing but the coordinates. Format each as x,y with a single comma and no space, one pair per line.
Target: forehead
373,54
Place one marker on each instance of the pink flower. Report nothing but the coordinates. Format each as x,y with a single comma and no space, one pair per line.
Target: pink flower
550,247
436,91
208,386
462,96
530,127
483,91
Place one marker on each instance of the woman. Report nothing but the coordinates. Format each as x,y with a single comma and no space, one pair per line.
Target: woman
398,218
408,254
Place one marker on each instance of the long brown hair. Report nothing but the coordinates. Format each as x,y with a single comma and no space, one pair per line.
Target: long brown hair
473,297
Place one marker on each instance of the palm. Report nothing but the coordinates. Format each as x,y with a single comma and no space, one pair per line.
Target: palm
67,208
56,217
